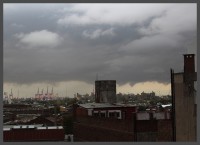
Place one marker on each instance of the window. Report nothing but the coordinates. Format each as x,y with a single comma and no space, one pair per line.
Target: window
111,114
102,114
90,112
115,114
96,113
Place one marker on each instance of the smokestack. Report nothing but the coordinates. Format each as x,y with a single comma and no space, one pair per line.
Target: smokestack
189,68
189,65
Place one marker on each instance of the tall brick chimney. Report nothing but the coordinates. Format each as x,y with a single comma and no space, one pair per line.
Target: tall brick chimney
189,68
189,65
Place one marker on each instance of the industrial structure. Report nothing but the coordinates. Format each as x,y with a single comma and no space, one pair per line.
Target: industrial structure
184,101
44,96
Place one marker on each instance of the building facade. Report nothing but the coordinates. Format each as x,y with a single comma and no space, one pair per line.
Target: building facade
101,122
184,94
25,133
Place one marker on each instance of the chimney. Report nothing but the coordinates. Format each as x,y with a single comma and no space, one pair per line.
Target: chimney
189,68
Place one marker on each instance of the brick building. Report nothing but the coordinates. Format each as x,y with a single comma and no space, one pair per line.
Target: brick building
119,122
184,101
103,122
24,133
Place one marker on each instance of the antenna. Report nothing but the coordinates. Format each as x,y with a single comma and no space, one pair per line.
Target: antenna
97,76
18,93
66,92
11,94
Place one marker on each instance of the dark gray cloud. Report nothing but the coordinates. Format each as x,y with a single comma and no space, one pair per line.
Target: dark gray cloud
53,43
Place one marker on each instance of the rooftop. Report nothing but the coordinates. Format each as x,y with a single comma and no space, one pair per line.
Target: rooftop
104,105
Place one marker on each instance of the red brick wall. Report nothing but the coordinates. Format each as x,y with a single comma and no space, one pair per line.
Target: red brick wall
102,129
164,130
80,112
34,135
90,128
85,132
111,123
154,130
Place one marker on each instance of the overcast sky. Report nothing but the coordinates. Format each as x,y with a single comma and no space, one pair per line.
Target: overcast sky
65,46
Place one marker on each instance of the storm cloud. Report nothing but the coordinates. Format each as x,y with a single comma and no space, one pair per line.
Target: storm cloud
130,43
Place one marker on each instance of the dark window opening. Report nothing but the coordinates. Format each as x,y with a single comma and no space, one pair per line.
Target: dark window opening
102,114
96,114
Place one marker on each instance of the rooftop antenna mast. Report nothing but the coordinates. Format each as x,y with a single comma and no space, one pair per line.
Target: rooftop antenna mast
18,93
66,92
97,77
11,97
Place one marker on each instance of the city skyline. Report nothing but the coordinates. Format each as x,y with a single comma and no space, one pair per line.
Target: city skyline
66,46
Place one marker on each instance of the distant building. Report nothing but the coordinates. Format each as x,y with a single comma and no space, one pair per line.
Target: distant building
184,104
105,91
27,109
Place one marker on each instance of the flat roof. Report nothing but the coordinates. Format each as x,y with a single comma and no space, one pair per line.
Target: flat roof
104,105
97,105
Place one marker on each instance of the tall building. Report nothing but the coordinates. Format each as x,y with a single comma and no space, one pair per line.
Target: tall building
105,91
184,104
